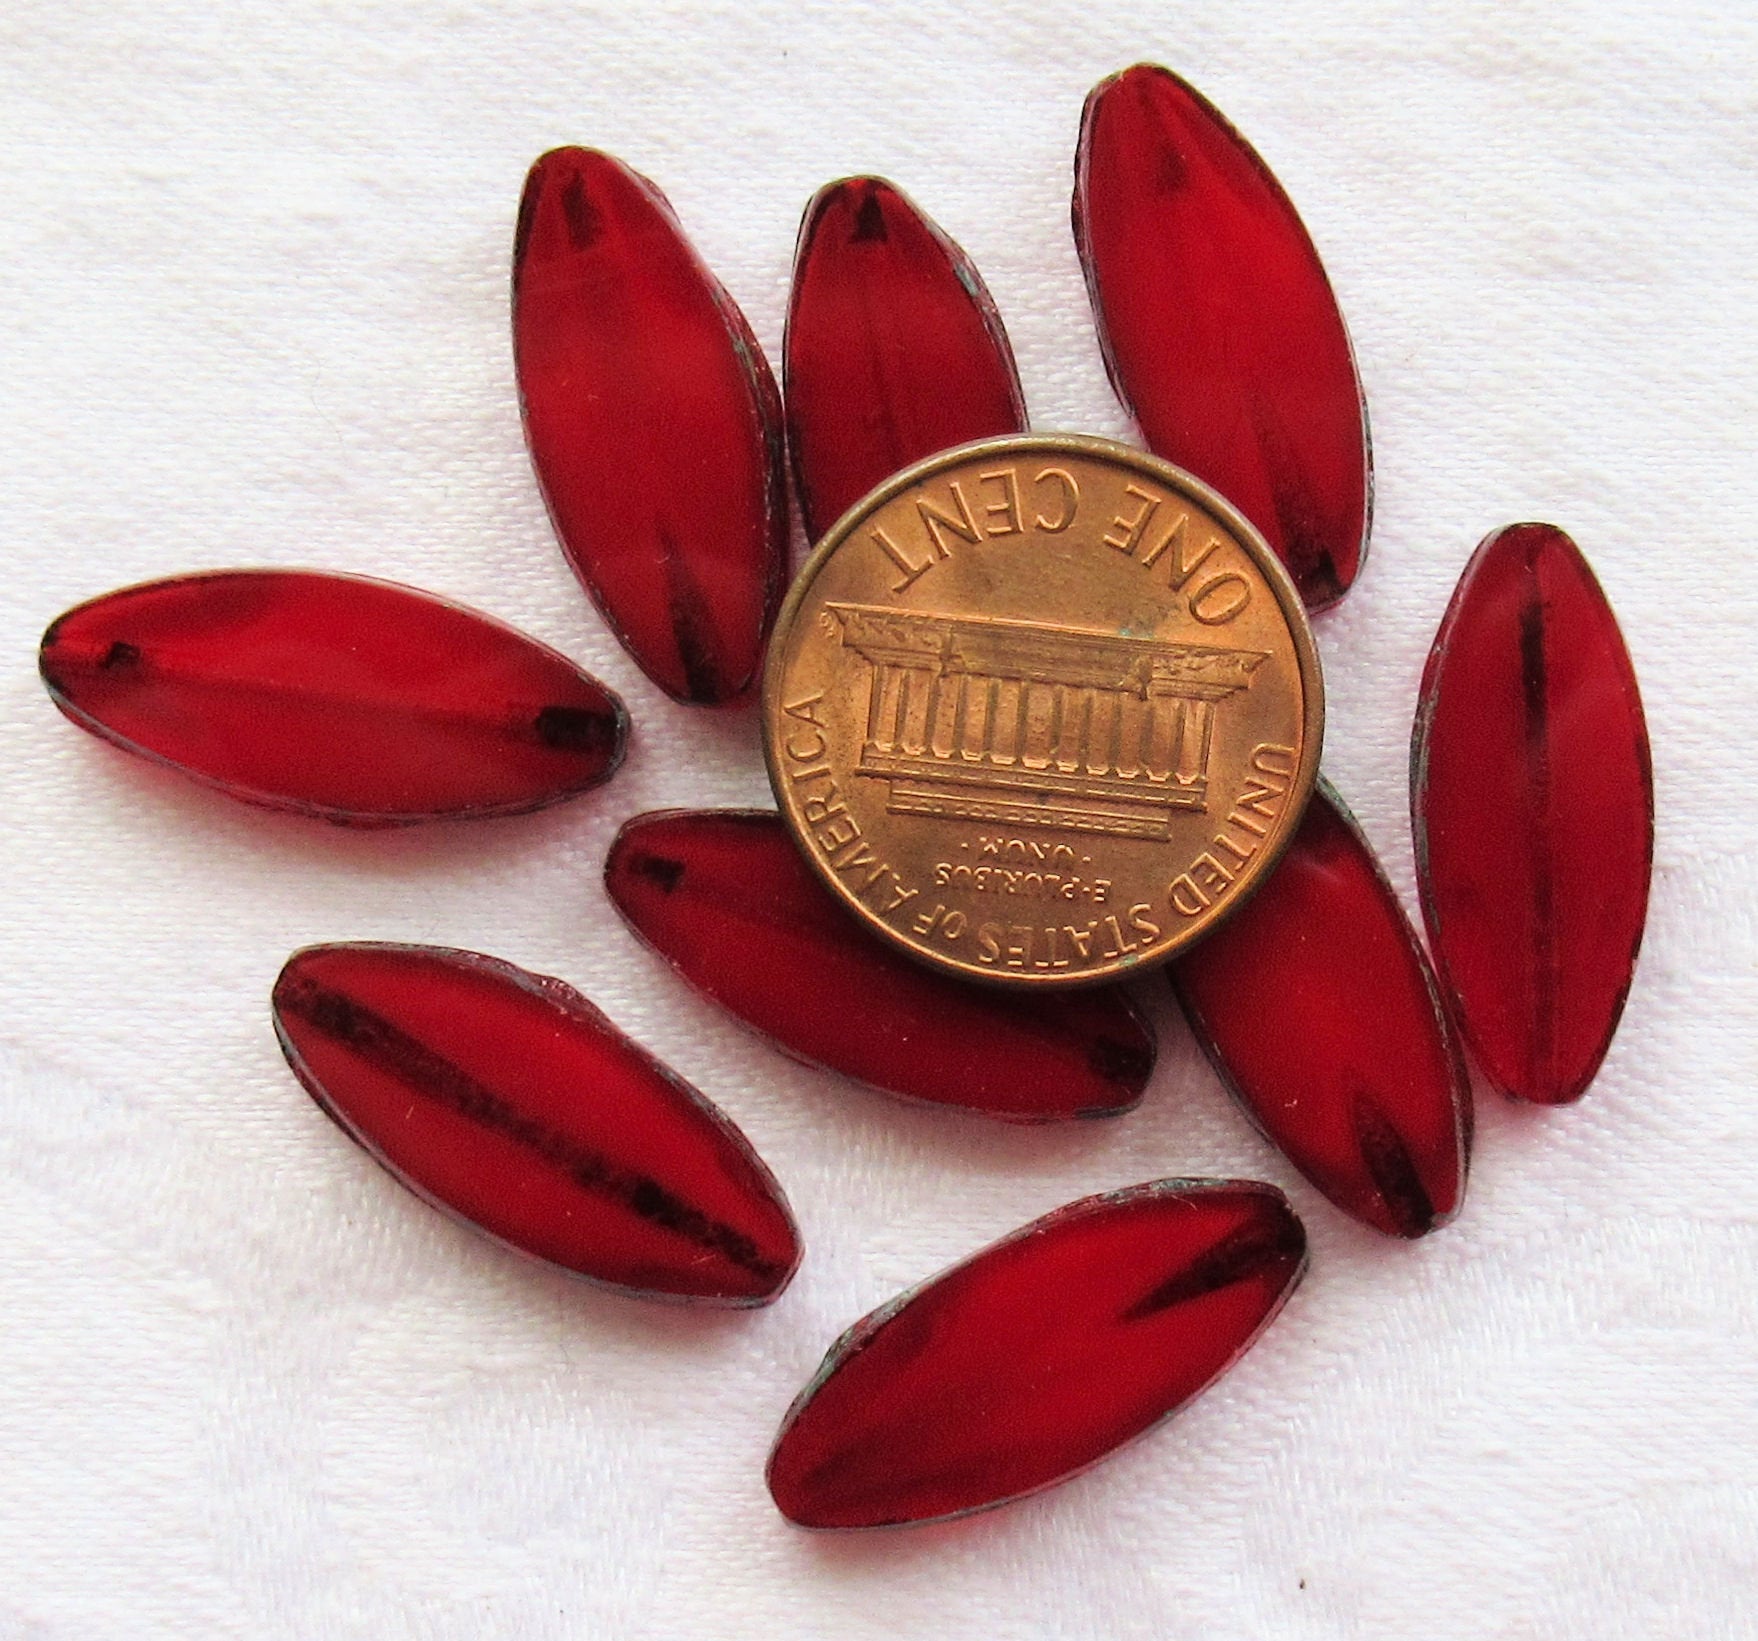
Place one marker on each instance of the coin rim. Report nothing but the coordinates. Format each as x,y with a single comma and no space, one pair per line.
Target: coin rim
1176,478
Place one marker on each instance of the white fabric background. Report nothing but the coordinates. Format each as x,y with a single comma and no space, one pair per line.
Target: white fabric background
253,310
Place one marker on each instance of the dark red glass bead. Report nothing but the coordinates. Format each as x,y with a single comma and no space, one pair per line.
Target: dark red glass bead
654,424
894,348
725,897
507,1100
1219,328
1533,803
1316,1006
1038,1356
358,701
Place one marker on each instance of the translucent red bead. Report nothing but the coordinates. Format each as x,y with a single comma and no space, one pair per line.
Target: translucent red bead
654,424
727,899
1038,1356
358,701
1317,1007
894,347
1219,328
507,1100
1533,805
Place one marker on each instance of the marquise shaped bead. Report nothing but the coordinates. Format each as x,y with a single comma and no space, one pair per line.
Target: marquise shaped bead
1315,1004
358,701
894,347
725,897
654,424
1038,1356
1532,798
1219,328
507,1100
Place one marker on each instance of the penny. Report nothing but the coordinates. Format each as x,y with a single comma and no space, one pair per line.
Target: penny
1042,709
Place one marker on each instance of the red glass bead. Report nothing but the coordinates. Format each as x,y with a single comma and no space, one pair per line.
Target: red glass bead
507,1100
1219,328
725,897
654,424
894,348
1038,1356
1316,1006
358,701
1533,803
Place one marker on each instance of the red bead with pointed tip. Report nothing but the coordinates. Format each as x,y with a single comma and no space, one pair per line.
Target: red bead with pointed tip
1316,1005
358,701
654,424
894,348
1220,331
507,1100
1038,1356
1533,803
725,897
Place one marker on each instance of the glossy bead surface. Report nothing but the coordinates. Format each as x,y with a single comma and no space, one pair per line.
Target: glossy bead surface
654,424
507,1100
358,701
1036,1357
1316,1006
724,896
894,347
1533,803
1220,331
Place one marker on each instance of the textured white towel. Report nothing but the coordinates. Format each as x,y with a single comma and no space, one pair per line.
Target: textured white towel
253,310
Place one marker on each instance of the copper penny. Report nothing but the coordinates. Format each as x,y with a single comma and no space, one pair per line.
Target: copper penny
1042,709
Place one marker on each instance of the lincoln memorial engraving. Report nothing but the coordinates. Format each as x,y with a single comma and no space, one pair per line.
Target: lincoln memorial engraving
976,718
